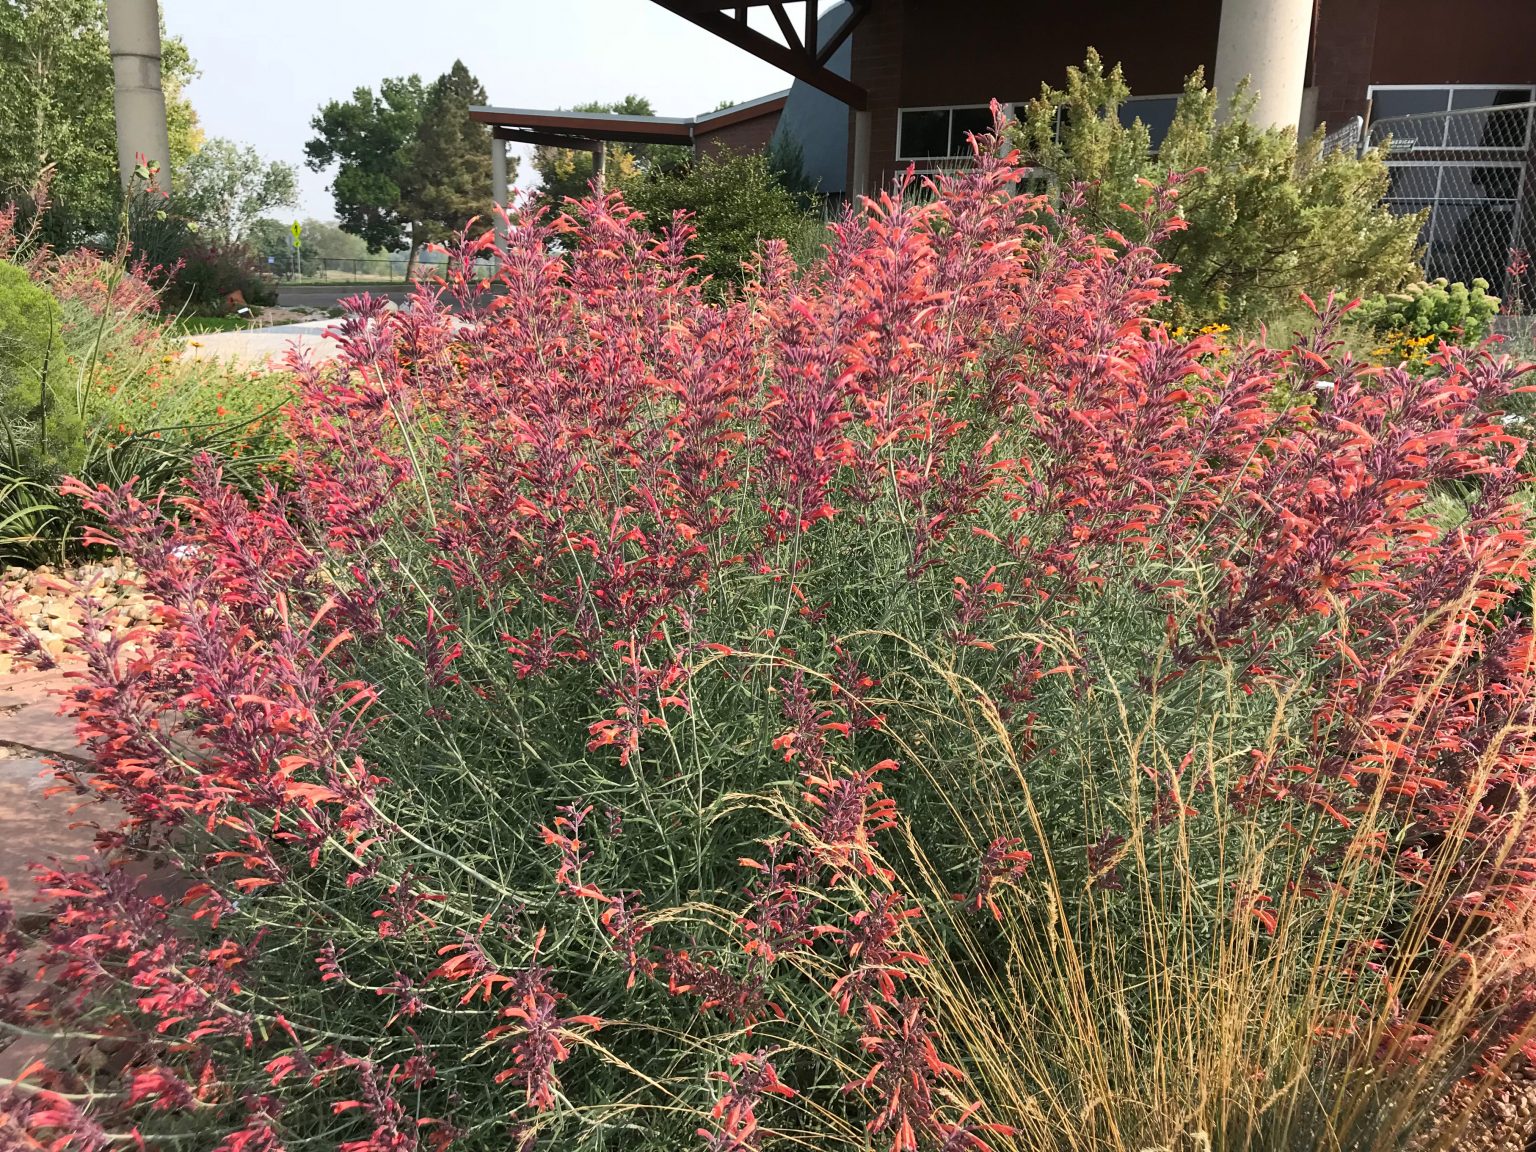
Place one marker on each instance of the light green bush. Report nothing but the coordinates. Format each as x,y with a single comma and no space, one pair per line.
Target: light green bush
736,201
93,384
42,429
1435,308
1269,217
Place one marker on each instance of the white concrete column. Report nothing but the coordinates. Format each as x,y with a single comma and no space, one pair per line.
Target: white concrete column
600,165
499,189
861,133
1266,41
133,38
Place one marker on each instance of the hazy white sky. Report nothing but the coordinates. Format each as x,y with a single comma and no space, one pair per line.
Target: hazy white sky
267,65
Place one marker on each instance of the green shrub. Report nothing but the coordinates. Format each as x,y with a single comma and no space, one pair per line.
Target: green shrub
1435,308
209,273
736,203
42,427
1268,217
93,383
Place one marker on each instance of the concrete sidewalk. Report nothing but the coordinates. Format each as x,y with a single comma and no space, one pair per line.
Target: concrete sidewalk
261,345
35,826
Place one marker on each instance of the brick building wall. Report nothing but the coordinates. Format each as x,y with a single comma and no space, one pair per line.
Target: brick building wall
877,66
753,135
1363,42
917,53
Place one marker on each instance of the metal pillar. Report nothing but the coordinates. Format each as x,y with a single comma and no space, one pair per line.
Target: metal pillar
133,38
499,191
600,165
861,132
1266,41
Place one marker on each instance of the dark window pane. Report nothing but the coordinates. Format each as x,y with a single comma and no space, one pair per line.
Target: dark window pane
1406,102
1490,129
1063,122
1488,97
1156,112
974,120
1412,181
1494,182
924,134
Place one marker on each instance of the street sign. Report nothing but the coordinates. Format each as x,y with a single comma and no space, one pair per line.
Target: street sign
294,232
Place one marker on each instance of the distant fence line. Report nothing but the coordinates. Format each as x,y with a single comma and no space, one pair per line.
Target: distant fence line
357,270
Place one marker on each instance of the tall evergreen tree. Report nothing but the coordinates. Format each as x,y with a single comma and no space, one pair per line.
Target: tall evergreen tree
448,176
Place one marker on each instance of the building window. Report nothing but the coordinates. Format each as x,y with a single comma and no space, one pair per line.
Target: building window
1481,116
1156,112
1474,214
940,133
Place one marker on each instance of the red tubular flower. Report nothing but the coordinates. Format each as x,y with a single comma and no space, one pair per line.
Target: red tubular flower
751,1080
1003,864
851,811
538,1040
905,1070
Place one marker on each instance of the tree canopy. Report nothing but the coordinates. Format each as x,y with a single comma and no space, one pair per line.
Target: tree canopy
411,166
56,107
226,187
734,203
368,140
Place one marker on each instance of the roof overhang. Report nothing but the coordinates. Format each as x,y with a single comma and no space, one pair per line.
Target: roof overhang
586,129
807,49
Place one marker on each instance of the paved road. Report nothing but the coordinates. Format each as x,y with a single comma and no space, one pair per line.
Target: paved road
326,296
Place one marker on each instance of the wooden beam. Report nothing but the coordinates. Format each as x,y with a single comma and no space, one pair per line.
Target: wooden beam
856,12
777,8
530,136
578,142
770,51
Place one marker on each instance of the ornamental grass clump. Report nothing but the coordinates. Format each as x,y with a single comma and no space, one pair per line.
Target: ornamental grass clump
914,704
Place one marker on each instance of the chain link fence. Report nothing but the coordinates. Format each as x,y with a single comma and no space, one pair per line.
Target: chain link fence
1345,139
1471,168
362,270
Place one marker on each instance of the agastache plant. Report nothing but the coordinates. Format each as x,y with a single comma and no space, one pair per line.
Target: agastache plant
920,677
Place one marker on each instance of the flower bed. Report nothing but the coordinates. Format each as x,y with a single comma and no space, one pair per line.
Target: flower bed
916,704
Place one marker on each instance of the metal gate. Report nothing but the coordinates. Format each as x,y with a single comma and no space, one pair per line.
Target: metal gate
1472,169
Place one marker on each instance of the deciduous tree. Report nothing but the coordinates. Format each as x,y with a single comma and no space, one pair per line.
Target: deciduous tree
369,139
56,107
226,187
411,166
